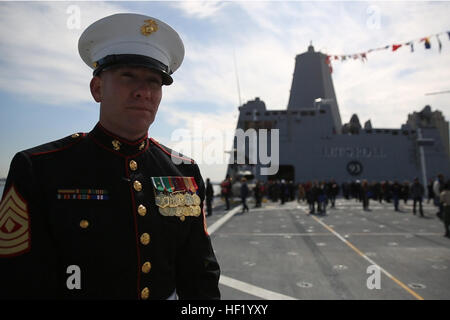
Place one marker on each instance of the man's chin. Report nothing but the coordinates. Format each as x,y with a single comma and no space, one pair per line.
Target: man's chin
140,125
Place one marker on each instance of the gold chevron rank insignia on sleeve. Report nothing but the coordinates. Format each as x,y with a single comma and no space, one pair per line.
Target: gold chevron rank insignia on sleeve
14,224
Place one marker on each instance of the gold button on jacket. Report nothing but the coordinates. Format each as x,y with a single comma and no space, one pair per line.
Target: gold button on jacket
84,224
145,293
142,210
133,165
145,239
137,186
146,267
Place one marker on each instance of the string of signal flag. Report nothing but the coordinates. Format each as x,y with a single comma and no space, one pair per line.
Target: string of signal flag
394,47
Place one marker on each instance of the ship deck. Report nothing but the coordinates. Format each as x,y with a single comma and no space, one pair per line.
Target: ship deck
281,252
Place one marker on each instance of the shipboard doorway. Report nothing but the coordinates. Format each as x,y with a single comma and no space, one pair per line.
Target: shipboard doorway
286,172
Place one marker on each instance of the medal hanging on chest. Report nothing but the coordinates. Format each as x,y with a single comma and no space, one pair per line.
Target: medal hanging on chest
177,196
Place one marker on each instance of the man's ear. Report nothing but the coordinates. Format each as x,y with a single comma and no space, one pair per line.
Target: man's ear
96,88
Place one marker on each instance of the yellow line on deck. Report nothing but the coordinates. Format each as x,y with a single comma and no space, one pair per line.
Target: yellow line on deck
401,284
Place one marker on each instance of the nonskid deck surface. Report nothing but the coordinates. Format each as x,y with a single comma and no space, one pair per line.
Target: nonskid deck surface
282,252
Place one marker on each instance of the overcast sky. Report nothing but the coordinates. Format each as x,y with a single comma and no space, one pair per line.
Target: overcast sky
44,85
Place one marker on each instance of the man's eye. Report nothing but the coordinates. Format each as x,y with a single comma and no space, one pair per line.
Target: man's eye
155,83
127,75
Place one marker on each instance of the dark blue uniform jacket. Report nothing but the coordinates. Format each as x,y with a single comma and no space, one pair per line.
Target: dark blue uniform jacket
76,202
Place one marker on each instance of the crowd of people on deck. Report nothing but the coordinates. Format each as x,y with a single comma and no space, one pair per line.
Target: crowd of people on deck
320,195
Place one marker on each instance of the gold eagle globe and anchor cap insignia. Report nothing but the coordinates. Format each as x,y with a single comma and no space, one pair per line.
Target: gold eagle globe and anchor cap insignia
149,27
14,224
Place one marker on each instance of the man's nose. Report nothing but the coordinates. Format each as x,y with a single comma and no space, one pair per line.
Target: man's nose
143,90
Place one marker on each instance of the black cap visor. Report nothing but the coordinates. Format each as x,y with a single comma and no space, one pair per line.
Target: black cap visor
134,60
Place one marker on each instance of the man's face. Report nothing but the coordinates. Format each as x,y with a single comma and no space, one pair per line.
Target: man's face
129,98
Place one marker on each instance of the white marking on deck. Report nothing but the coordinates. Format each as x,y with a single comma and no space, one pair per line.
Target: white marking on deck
253,290
221,221
240,285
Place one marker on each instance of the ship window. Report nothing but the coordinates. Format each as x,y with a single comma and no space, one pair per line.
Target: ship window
257,125
405,133
275,113
312,113
379,131
394,132
294,112
386,131
248,113
304,113
322,111
257,113
413,131
266,113
369,131
283,112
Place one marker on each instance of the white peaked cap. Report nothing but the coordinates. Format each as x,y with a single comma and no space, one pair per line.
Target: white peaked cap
132,39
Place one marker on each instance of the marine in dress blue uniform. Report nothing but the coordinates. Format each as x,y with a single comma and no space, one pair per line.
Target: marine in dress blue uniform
90,199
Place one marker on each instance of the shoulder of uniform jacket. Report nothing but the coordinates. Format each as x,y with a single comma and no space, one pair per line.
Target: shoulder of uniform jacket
57,145
172,153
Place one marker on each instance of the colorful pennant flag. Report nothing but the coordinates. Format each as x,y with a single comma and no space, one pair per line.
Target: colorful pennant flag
393,47
396,46
427,42
363,57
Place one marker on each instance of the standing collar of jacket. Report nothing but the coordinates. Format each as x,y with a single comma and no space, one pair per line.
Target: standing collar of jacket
116,144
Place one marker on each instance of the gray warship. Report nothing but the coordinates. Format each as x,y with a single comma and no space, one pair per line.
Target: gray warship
315,145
